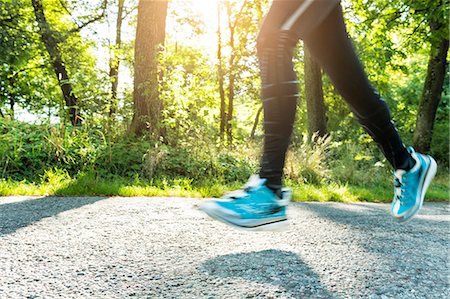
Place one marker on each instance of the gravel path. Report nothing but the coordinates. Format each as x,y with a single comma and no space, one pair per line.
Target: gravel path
166,248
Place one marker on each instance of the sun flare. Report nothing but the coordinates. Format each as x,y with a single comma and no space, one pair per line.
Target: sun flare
206,12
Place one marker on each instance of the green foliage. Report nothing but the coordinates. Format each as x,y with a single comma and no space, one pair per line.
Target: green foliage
393,39
22,150
29,152
41,159
306,161
24,78
189,92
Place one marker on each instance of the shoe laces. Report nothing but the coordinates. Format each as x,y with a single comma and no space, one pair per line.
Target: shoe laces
241,193
238,194
253,184
400,181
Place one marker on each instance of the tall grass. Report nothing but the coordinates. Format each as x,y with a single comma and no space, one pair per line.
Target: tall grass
49,160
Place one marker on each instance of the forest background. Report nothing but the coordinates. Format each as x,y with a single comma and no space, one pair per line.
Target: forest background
149,97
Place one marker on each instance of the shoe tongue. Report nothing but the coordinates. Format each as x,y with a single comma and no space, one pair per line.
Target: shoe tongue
254,182
399,173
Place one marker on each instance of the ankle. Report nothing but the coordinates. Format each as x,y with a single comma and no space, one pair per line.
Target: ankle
276,189
274,183
407,164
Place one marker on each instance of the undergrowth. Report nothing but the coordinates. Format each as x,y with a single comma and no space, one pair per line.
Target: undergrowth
51,160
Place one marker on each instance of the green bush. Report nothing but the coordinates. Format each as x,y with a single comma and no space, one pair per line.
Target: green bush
23,150
66,158
28,152
163,161
307,162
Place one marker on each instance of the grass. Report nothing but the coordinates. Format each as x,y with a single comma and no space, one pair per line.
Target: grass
89,185
37,160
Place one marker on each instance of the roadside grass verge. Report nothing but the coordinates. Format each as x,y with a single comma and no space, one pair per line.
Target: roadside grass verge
50,160
90,185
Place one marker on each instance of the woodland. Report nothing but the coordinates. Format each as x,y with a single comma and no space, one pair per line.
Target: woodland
162,98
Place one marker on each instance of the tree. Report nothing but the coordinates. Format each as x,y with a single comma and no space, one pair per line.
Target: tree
15,52
256,122
115,60
432,90
53,41
315,105
150,37
235,43
422,26
51,44
221,75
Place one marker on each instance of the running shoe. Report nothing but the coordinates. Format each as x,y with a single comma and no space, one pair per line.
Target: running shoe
411,186
255,207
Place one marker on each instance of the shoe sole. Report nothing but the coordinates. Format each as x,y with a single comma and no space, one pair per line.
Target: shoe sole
427,178
276,226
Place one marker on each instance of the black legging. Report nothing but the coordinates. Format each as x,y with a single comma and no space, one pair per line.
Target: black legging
320,25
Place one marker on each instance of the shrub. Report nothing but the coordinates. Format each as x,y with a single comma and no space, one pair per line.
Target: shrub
307,162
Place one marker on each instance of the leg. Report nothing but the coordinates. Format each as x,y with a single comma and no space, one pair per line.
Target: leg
261,204
345,70
320,24
279,90
286,22
332,48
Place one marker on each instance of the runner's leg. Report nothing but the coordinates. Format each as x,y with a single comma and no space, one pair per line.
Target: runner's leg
333,50
286,22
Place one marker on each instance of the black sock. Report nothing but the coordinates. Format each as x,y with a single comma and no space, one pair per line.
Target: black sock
407,164
275,189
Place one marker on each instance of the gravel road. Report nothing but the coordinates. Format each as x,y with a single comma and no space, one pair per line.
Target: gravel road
166,248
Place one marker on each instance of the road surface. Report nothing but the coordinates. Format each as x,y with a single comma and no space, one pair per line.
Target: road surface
166,248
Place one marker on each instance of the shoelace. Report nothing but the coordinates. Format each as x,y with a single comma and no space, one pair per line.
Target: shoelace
253,183
399,190
243,194
239,194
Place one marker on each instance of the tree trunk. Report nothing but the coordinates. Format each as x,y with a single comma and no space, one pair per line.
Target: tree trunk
255,124
232,25
12,97
315,105
51,44
115,60
432,92
12,103
220,75
150,36
232,75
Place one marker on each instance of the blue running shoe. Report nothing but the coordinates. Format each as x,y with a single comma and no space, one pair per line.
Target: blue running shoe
255,207
411,186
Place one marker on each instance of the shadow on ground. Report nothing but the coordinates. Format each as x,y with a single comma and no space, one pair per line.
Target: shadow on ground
414,254
16,215
368,218
282,269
